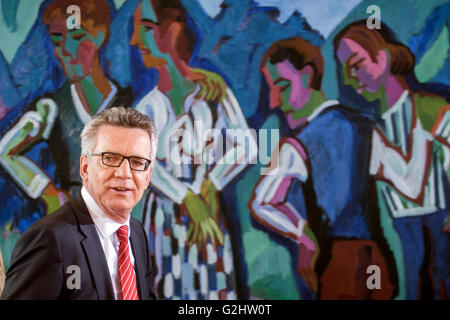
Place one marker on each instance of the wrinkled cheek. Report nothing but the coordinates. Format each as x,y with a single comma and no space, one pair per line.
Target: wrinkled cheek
86,55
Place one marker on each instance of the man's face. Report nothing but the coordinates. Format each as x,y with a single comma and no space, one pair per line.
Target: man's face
117,189
364,75
76,49
145,35
289,88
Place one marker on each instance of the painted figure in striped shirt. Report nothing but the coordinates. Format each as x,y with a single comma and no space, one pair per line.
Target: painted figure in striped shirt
317,193
410,153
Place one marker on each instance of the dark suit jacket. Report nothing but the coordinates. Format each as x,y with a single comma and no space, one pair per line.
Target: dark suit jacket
43,254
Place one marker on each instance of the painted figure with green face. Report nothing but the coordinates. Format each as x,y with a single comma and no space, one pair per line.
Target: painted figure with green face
78,49
294,79
59,120
160,47
189,212
317,178
409,153
293,71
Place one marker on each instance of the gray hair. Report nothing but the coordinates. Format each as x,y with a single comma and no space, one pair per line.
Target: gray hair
121,117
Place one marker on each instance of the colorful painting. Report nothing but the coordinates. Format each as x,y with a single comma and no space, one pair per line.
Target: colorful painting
304,147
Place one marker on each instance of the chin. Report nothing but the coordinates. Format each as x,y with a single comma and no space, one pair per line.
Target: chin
119,206
77,78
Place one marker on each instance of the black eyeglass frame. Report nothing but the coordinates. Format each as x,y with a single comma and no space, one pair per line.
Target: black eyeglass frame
102,154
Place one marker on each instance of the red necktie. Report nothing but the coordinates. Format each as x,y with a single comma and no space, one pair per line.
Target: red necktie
127,277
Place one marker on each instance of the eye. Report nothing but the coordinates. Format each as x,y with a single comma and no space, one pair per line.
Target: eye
147,28
56,39
111,158
78,36
356,65
283,84
138,161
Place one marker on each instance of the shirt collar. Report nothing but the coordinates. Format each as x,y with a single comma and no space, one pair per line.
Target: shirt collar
324,105
398,105
104,224
84,116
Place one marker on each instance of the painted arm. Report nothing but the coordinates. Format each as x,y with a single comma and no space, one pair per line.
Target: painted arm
32,127
407,174
271,208
441,131
237,156
157,106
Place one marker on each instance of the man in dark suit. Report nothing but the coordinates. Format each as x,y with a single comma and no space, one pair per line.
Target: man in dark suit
83,251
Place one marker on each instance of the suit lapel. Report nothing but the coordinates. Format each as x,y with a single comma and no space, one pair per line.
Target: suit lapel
93,249
139,254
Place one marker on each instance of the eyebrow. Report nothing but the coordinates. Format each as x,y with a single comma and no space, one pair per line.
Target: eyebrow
77,31
280,79
148,21
356,62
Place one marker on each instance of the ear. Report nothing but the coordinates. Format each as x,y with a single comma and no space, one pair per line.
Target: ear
84,168
307,74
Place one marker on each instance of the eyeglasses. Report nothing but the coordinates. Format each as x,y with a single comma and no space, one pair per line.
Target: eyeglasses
115,160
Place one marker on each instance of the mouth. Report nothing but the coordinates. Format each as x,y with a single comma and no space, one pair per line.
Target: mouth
145,50
121,190
360,89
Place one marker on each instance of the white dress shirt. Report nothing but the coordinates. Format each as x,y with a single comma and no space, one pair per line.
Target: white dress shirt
106,229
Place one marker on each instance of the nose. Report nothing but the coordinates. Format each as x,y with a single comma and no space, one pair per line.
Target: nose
64,44
275,97
124,171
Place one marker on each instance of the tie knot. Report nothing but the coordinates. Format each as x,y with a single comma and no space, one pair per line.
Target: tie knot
122,234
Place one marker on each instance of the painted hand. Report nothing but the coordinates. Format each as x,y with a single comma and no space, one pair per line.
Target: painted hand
308,254
203,212
33,126
212,86
54,198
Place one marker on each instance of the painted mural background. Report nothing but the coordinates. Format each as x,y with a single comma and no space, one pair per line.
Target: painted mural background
231,39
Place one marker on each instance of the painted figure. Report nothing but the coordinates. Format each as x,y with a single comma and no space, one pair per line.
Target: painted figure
189,229
318,193
59,120
410,154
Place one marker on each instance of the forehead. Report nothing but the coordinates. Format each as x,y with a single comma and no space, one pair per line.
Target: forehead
127,141
57,25
271,71
147,11
347,47
284,69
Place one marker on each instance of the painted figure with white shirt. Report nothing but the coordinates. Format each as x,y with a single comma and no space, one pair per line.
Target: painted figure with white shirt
59,120
93,238
188,225
410,153
318,192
